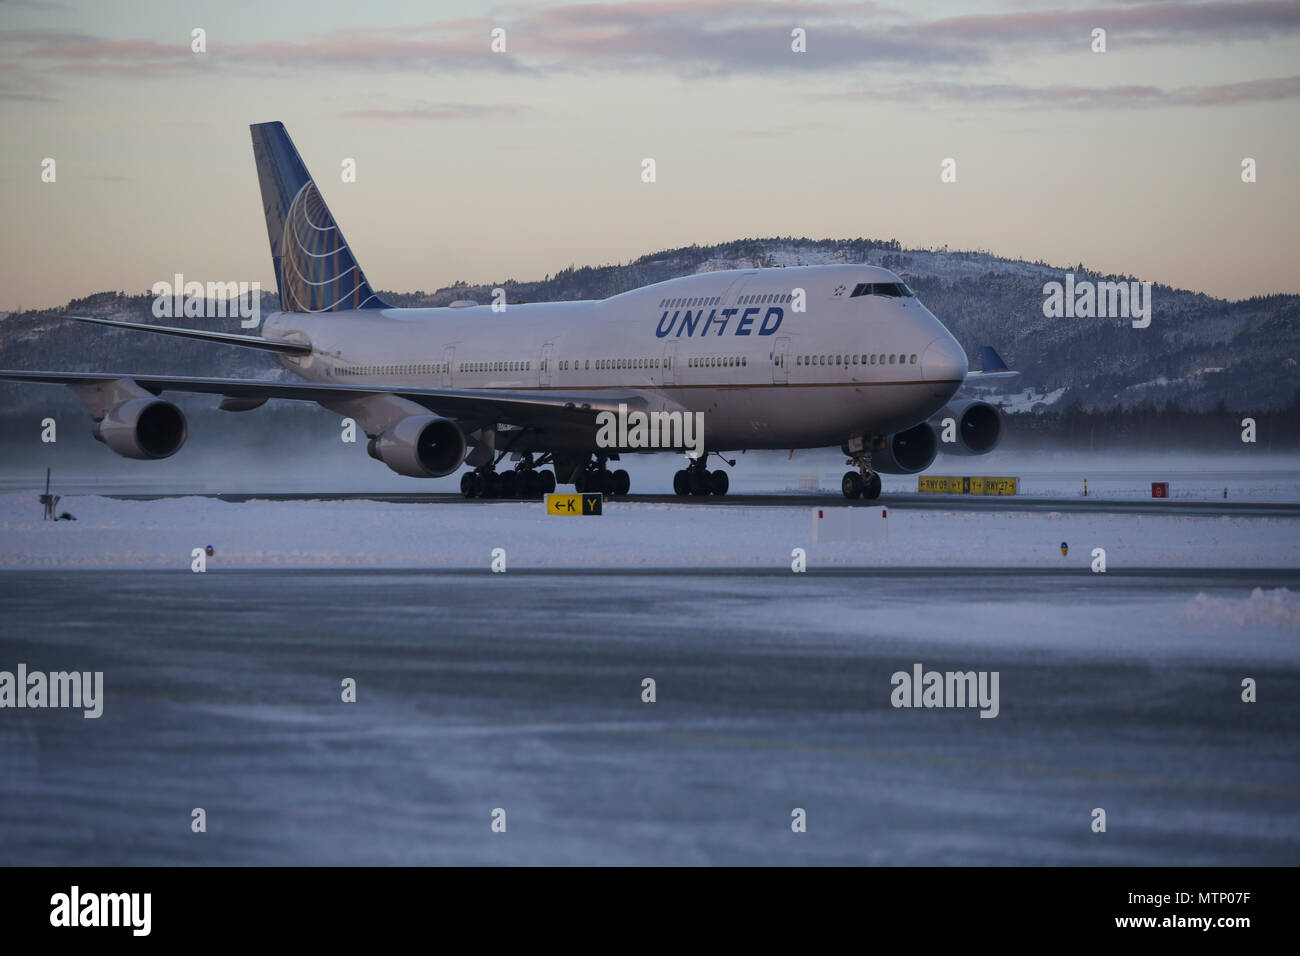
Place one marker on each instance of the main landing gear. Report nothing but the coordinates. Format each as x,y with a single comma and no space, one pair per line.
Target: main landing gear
522,481
596,477
696,479
863,483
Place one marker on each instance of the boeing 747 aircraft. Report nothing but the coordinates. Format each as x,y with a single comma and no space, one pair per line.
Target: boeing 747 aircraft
804,357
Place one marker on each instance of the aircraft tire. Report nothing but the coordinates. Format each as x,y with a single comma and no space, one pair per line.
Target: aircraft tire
532,485
851,485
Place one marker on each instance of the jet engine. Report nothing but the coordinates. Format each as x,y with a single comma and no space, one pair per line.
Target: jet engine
420,446
979,427
905,452
143,428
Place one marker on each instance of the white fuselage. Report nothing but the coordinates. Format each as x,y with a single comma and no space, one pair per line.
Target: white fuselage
733,345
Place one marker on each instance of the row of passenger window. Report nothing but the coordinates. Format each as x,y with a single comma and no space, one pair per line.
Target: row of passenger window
436,368
703,361
689,302
879,359
494,366
567,365
719,361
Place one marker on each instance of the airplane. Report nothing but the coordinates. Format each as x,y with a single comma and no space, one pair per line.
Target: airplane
786,358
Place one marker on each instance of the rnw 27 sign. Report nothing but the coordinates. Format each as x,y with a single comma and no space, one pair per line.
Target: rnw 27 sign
574,505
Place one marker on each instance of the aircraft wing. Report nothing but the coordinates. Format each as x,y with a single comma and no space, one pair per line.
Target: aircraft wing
527,408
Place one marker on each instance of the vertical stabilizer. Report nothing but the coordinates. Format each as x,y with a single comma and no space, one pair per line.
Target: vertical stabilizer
315,270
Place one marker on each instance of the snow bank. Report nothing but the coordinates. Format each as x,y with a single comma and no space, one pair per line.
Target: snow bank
1276,607
362,534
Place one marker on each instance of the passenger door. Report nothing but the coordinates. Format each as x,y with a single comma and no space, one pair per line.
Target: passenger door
544,365
669,369
780,355
448,366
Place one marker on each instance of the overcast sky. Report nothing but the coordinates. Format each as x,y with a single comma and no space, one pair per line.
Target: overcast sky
484,166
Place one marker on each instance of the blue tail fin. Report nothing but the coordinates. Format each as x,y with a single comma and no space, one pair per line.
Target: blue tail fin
991,361
315,270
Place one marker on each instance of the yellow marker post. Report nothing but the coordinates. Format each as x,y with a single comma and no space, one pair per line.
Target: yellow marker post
574,506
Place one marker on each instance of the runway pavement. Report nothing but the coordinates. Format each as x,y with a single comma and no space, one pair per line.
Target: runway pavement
524,693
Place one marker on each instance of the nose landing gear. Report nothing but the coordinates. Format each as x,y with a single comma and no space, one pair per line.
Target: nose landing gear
864,482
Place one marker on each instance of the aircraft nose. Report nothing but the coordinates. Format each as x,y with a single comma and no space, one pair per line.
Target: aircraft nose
944,360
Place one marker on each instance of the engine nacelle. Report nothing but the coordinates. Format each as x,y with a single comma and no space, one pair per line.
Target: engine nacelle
143,428
979,427
421,446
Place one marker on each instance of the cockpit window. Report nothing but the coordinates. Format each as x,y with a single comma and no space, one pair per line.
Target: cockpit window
891,289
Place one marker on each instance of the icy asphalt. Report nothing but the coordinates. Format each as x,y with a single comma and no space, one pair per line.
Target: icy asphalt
523,692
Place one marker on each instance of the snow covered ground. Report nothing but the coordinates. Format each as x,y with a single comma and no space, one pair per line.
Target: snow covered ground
1245,474
227,465
1025,401
160,534
1119,690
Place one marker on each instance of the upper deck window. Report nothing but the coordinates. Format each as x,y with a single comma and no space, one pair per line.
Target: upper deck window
894,290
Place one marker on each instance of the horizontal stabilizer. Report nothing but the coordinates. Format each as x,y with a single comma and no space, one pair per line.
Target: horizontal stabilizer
992,367
226,338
